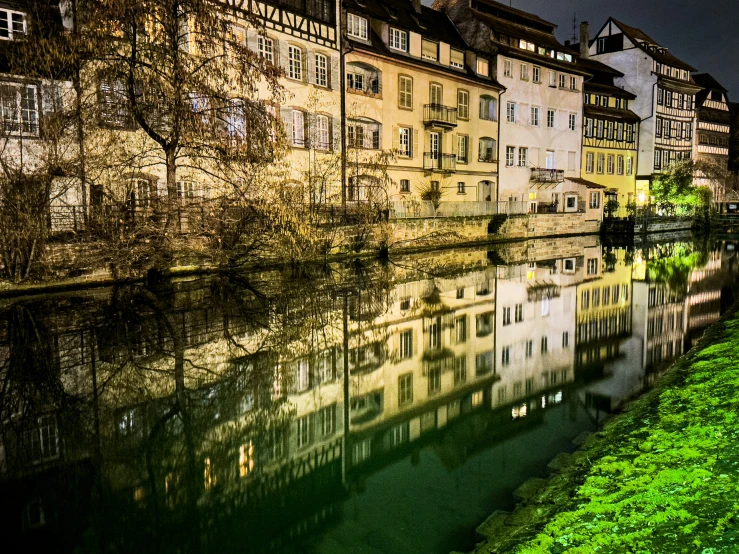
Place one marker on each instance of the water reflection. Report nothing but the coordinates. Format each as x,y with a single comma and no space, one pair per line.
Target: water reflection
277,411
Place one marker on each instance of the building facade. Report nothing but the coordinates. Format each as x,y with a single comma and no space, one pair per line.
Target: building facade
414,87
713,128
665,96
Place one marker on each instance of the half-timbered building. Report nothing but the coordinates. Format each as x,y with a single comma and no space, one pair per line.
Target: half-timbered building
665,96
713,128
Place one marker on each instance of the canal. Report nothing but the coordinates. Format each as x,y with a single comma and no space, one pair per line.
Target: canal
366,407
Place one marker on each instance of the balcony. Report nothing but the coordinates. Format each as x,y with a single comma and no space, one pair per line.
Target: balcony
488,157
439,162
439,116
539,175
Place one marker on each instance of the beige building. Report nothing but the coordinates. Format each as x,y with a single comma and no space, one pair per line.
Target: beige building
415,87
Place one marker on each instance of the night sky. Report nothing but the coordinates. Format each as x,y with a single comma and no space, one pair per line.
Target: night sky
703,33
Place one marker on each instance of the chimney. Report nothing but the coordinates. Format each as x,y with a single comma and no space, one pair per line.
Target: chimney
568,43
416,5
584,40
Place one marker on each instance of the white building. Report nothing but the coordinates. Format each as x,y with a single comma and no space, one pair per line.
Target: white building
666,96
541,110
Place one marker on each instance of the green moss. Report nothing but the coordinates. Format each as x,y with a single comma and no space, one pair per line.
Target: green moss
664,477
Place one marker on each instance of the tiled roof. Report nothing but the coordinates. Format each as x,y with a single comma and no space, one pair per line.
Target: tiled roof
639,37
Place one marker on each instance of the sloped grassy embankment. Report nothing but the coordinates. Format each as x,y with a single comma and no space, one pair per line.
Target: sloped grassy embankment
663,477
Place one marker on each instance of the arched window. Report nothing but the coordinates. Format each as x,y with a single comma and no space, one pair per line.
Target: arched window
363,78
488,150
488,108
363,133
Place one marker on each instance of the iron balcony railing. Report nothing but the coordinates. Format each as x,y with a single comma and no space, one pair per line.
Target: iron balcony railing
438,114
488,156
547,175
439,162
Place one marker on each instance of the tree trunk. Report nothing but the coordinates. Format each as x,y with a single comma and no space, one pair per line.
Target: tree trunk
170,219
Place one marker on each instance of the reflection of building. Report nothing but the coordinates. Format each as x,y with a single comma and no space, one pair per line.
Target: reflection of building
704,297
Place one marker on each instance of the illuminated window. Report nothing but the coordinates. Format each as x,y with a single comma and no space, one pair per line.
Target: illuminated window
246,459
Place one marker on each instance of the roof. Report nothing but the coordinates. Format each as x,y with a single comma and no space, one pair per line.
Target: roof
612,90
585,182
614,113
514,52
518,13
639,37
707,81
519,31
429,23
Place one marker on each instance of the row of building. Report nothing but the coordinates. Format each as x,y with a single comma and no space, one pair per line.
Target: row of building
478,102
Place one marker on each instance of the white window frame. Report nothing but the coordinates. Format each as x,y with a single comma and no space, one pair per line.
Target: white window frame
510,156
356,26
398,40
295,62
11,32
298,128
266,48
454,64
483,66
508,68
551,119
405,142
523,156
572,122
321,75
535,116
463,104
536,74
322,132
511,112
524,72
18,117
405,97
589,162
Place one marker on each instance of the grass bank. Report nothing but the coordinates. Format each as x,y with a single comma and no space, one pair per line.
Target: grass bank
662,477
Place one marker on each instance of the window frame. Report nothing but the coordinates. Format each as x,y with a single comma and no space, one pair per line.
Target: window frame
294,65
321,72
463,114
407,93
357,26
10,30
395,40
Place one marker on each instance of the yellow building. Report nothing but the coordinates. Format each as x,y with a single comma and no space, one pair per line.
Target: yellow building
610,135
415,87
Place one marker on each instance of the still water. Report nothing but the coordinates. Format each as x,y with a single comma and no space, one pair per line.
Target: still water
364,408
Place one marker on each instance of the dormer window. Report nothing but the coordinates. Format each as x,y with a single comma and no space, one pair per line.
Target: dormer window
12,24
430,50
457,59
398,40
483,66
356,26
526,45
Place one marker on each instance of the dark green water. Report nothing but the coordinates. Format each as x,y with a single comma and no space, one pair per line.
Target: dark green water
363,408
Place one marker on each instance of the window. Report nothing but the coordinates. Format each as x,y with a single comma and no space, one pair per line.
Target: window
463,146
246,454
322,133
404,141
535,111
187,191
356,26
593,266
429,50
571,161
529,348
20,111
483,66
594,200
405,389
565,339
405,185
460,370
457,59
589,125
266,48
113,105
519,313
572,122
43,441
562,81
611,164
405,92
573,83
406,344
537,74
508,69
550,118
327,420
461,188
510,154
398,40
601,163
489,108
145,191
463,104
355,82
552,78
436,94
629,165
544,345
321,70
12,24
524,72
305,431
620,165
506,316
589,162
295,63
585,298
298,128
511,115
505,357
523,154
460,325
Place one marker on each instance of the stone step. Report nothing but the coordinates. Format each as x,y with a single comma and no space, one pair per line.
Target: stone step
528,489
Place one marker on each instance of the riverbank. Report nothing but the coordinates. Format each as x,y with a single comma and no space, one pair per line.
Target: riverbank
662,477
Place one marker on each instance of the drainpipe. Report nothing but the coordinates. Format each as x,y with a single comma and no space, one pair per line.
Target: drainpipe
342,95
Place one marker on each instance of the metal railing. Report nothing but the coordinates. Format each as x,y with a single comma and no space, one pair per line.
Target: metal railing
547,175
439,162
488,157
440,115
410,209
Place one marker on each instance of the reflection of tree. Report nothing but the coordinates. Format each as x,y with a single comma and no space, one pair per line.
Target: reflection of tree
671,263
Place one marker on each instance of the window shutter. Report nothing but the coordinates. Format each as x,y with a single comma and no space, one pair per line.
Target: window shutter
311,130
251,40
336,134
335,76
415,344
309,62
482,108
287,119
396,139
415,151
304,60
455,144
283,55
